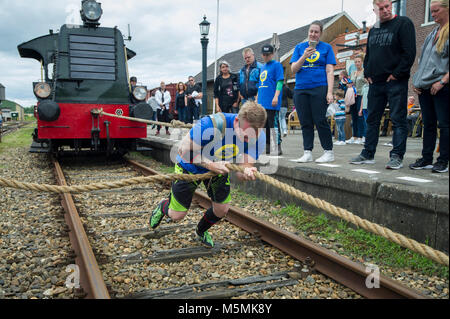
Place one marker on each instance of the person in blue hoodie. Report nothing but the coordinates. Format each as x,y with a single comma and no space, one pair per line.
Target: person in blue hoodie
249,76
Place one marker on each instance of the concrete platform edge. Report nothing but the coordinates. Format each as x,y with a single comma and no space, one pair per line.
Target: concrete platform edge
419,215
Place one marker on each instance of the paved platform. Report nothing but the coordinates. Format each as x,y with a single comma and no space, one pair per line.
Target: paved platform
414,203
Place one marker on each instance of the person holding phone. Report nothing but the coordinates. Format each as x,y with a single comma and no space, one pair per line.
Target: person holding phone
313,64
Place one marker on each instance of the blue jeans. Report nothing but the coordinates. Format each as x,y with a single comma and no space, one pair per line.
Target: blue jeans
340,124
283,126
182,114
380,94
363,120
357,125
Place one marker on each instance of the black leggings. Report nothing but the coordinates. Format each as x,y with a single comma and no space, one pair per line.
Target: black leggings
311,106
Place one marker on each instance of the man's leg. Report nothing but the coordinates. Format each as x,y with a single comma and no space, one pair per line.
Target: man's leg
398,99
377,101
218,189
270,138
277,127
159,119
177,206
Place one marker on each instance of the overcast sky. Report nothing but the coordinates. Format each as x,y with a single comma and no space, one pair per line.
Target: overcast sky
165,34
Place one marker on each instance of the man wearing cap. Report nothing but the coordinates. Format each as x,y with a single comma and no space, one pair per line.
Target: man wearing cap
269,96
133,81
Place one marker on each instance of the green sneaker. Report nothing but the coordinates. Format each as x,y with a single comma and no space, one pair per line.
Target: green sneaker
157,215
206,239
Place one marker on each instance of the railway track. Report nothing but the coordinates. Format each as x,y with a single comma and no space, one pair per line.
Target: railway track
120,257
8,128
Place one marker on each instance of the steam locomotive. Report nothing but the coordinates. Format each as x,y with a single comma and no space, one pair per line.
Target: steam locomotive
84,69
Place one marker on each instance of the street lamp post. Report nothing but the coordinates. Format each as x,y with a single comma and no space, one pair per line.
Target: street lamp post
204,31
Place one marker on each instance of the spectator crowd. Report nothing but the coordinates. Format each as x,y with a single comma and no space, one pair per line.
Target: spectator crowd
375,88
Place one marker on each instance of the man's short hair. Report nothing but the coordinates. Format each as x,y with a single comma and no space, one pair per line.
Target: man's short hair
378,1
247,50
254,114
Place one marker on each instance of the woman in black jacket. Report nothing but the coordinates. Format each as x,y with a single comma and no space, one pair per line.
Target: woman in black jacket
226,90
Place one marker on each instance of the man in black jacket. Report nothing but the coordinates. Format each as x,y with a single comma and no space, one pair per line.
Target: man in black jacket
391,50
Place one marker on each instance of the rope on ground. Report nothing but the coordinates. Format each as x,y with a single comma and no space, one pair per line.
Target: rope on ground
344,214
102,186
336,211
173,123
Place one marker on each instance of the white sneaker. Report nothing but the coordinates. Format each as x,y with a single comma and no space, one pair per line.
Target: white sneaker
339,143
350,141
359,141
307,157
363,140
328,156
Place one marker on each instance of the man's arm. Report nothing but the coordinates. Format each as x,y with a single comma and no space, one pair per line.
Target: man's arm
407,36
248,164
191,152
167,102
277,93
158,98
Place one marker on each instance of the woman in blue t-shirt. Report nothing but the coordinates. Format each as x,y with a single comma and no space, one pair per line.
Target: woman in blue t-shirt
313,65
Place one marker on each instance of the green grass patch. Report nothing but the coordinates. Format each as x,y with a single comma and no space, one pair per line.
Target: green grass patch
346,239
20,138
362,243
155,165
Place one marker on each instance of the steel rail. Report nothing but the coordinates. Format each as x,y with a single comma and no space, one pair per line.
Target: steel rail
332,265
91,279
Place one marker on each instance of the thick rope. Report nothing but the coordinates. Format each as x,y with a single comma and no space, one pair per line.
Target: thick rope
344,214
173,123
336,211
101,186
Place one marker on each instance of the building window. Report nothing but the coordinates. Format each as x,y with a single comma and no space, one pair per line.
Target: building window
399,7
428,17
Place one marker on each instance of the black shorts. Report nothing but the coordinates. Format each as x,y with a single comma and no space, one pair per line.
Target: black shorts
218,189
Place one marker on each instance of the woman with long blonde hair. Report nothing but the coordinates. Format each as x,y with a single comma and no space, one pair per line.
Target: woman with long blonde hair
431,84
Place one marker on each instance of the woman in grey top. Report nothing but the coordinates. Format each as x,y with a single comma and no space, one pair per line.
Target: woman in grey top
431,84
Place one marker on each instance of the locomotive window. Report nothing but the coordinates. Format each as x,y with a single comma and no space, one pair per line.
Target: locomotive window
92,57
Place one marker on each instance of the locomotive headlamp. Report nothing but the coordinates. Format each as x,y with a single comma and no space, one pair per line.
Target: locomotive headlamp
91,11
140,93
42,90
